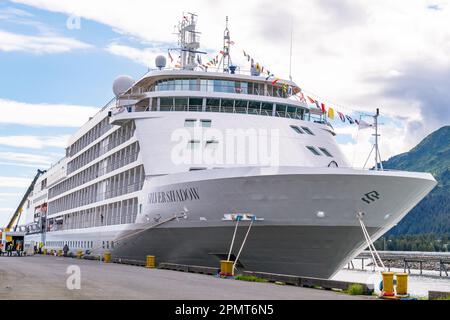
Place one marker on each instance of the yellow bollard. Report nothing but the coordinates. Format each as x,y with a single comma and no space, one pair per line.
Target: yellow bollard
45,251
107,257
79,254
60,253
402,284
52,253
226,268
388,284
150,262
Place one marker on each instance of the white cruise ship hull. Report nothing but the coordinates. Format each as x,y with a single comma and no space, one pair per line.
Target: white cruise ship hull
306,217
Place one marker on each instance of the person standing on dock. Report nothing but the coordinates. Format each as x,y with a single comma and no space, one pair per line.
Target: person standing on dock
66,249
19,249
9,248
1,248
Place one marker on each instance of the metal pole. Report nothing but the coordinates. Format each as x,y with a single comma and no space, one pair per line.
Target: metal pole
376,139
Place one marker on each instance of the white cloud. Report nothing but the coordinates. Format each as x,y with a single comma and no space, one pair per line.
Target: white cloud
14,182
348,51
44,115
26,158
34,142
39,44
145,57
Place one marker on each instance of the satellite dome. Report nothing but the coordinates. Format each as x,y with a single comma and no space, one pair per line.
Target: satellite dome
122,84
160,62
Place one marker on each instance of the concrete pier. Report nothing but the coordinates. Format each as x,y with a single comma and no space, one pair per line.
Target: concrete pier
45,277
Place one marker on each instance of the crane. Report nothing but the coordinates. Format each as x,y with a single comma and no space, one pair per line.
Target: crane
16,216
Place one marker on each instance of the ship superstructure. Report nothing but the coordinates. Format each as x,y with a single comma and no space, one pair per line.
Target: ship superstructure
171,164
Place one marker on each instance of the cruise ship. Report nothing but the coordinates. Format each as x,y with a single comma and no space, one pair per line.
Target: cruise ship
198,163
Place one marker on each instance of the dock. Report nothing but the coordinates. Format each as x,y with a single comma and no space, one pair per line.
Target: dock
438,261
45,277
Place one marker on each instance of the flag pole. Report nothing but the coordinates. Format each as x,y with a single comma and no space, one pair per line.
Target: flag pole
290,52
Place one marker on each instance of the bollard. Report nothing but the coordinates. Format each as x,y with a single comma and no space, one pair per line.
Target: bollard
107,257
52,252
150,262
402,284
388,284
226,268
60,253
45,251
79,254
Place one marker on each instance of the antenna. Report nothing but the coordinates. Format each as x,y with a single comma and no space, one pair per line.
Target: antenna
377,150
378,162
226,48
188,40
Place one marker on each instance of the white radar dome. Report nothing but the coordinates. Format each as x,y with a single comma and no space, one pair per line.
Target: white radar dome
160,62
122,84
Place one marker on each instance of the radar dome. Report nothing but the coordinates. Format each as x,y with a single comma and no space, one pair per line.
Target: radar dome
160,62
122,84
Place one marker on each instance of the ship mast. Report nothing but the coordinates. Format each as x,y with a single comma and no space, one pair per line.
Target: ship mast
188,40
226,59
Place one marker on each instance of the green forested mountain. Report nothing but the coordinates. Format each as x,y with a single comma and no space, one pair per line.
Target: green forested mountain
432,214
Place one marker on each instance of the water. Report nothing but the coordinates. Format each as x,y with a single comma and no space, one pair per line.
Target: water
418,285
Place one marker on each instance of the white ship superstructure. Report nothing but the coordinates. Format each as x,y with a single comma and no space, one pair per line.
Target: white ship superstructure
153,173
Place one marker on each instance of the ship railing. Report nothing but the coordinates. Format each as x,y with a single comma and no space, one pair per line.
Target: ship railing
230,109
217,69
209,88
112,166
101,196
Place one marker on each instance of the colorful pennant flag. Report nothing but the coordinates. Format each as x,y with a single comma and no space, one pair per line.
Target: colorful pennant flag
364,125
324,110
350,119
311,100
331,113
341,115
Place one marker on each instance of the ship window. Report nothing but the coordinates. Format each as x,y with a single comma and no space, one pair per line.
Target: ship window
267,109
206,123
197,169
281,111
190,122
254,107
326,152
212,105
308,131
227,105
241,106
181,104
212,142
297,129
313,150
166,104
195,104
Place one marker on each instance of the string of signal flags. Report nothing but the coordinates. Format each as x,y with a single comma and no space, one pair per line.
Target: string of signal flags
327,111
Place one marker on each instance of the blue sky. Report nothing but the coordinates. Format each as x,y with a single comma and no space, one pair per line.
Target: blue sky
351,55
